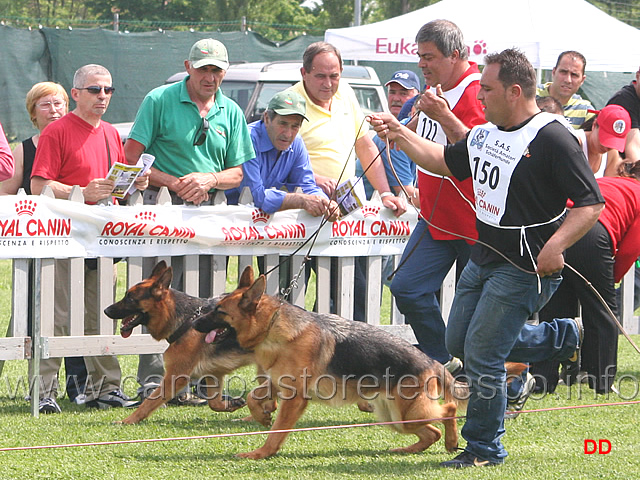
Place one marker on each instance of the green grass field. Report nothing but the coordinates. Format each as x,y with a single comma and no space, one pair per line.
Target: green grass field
542,445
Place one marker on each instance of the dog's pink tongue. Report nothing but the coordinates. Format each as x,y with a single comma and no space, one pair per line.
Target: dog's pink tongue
127,331
211,336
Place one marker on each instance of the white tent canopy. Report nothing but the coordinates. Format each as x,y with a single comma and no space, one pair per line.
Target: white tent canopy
542,29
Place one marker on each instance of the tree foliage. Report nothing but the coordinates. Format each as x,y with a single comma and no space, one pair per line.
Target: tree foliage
267,17
393,8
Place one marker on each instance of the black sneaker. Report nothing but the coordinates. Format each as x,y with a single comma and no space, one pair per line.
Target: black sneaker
146,391
466,459
514,406
113,399
570,373
48,405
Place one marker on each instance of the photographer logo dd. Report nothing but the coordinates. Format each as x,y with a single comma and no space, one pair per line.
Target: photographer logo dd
601,447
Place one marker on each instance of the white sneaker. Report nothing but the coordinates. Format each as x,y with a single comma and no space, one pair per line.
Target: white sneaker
48,405
454,366
514,406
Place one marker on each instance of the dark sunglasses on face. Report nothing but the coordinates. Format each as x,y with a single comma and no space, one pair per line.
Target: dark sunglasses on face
95,90
201,134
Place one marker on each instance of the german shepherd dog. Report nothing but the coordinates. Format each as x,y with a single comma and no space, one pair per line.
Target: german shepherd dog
325,357
168,314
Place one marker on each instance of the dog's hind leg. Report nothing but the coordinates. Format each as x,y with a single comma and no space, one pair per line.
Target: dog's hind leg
425,406
215,398
262,403
428,435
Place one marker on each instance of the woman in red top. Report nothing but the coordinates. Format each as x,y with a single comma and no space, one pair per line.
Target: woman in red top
602,256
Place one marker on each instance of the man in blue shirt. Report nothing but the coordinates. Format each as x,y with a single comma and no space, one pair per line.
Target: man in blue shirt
282,160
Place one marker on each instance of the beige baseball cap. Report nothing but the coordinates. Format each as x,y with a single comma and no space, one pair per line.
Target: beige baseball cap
209,52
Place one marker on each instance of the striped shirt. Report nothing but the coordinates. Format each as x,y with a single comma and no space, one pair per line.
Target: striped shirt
576,110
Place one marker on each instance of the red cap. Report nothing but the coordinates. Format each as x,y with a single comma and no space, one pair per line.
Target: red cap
614,123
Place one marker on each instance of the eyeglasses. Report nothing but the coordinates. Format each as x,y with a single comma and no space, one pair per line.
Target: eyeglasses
201,134
46,106
95,90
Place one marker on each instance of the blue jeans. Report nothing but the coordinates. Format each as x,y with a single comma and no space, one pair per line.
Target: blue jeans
487,327
416,283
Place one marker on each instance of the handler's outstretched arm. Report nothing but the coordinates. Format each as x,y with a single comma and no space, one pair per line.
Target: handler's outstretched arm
424,153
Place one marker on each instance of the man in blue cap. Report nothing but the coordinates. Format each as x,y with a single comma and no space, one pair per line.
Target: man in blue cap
403,86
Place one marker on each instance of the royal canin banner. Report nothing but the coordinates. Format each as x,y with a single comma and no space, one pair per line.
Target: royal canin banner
42,227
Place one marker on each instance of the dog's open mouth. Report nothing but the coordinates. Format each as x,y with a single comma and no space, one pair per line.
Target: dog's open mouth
131,322
217,334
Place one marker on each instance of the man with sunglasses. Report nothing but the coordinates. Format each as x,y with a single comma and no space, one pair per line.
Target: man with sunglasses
200,139
78,149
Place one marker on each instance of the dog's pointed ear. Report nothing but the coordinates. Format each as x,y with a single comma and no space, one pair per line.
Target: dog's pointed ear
164,281
251,296
160,267
246,278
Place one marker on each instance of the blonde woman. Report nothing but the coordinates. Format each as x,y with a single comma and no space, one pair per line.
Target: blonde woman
46,102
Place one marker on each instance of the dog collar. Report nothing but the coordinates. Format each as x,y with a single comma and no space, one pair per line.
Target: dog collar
186,325
273,318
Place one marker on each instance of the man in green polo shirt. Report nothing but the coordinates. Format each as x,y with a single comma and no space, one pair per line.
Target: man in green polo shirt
198,136
200,140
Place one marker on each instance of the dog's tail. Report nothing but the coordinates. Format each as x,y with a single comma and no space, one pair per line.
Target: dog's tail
457,391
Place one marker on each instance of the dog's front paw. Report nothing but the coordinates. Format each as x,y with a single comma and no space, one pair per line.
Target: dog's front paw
365,406
130,420
248,418
258,454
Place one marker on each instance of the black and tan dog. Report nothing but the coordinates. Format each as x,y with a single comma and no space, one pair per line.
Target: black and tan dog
324,357
169,314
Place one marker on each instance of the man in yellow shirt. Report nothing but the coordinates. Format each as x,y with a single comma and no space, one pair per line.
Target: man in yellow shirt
335,129
335,123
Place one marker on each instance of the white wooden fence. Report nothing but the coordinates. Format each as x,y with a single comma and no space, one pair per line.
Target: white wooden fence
43,344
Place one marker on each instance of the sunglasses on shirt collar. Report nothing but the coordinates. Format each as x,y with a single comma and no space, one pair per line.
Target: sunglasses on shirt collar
95,90
201,134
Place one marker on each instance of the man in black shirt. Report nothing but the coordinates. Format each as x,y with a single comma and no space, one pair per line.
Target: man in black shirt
628,97
524,165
